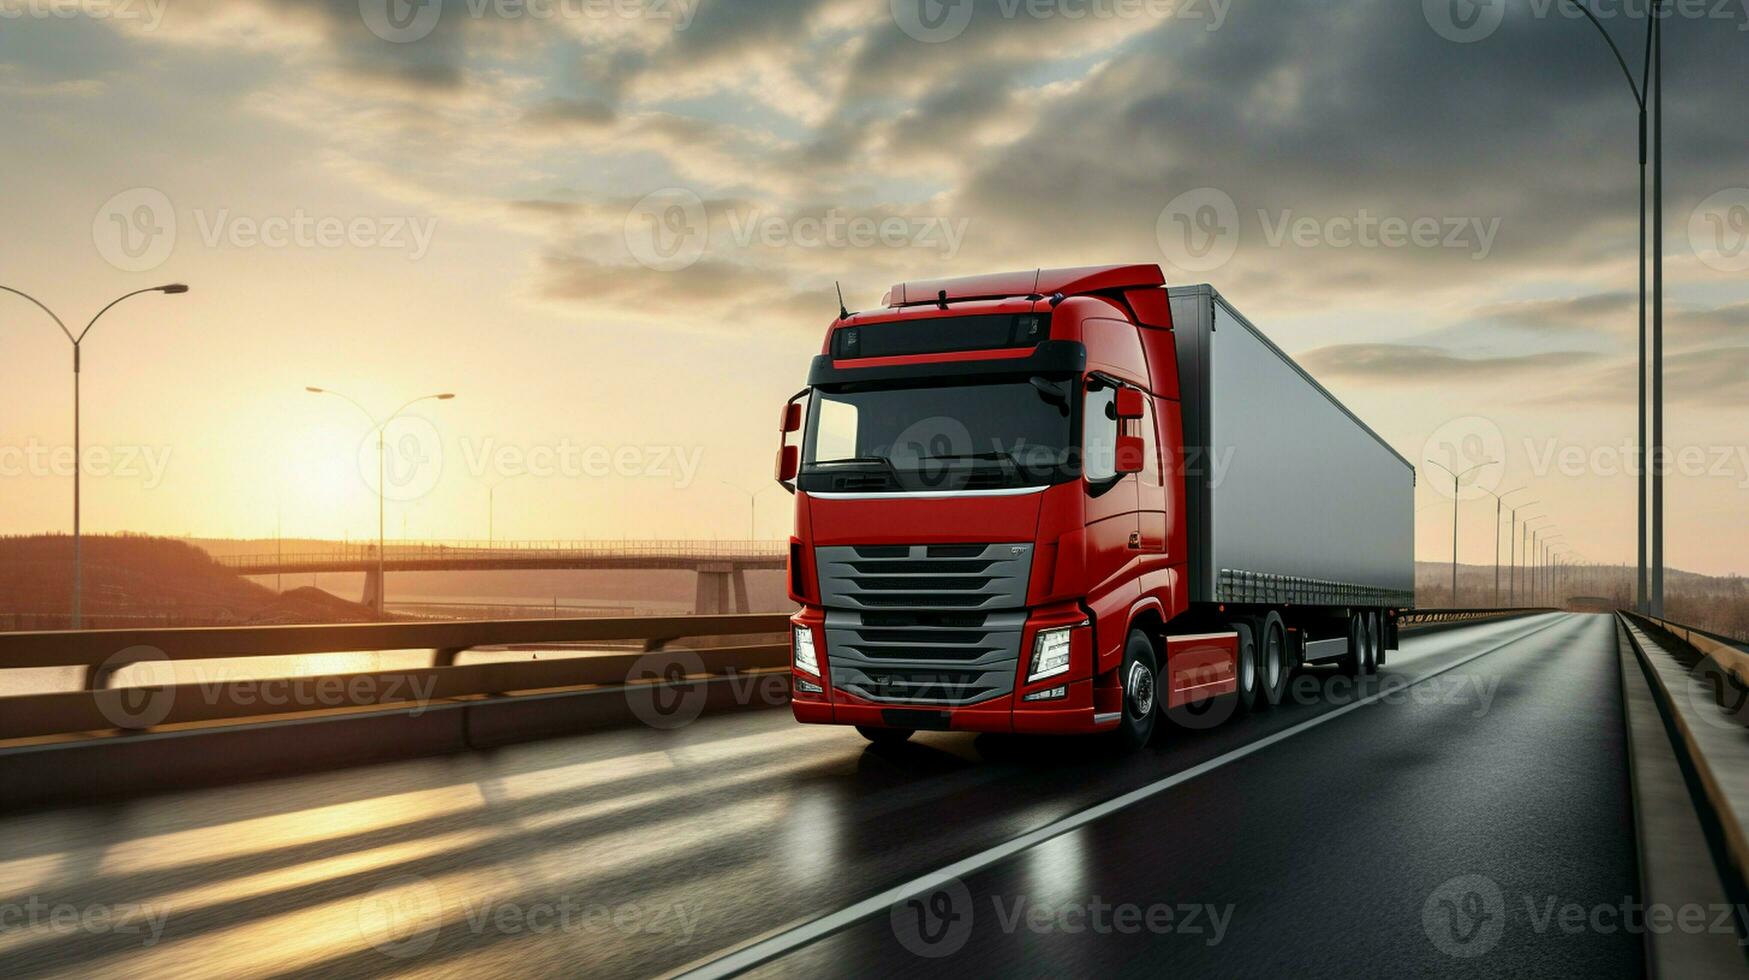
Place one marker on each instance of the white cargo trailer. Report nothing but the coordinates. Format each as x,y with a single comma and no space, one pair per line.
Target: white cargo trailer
1290,497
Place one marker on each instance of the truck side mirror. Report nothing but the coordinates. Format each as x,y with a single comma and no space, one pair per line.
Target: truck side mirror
792,418
789,463
1132,453
1129,403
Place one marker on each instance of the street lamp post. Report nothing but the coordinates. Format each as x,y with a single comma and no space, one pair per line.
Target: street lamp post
1651,76
752,505
1499,504
382,492
1530,550
1548,566
1512,544
1457,478
78,463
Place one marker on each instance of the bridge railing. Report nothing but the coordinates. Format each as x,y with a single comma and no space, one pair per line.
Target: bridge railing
439,550
217,695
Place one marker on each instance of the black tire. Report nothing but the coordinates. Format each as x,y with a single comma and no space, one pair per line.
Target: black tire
1139,678
1250,679
1354,661
885,736
1274,662
1375,647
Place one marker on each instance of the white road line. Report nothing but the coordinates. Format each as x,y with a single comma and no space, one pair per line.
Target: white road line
784,939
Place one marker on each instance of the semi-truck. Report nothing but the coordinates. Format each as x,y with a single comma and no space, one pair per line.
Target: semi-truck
1072,501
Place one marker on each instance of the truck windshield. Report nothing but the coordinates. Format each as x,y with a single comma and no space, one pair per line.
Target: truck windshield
906,438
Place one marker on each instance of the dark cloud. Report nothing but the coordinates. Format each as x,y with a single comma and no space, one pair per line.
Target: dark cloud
565,114
1420,365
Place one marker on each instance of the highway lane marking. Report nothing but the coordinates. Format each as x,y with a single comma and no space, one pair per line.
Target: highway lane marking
785,939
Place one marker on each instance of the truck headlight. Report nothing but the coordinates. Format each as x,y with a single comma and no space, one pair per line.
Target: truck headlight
1050,654
806,660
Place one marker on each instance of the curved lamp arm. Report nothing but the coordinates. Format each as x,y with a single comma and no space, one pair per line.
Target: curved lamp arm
45,309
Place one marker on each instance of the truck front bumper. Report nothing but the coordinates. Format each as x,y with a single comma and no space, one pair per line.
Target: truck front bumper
1084,706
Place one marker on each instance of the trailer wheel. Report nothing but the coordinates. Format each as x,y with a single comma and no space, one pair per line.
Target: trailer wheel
1273,662
1141,700
1375,648
884,736
1247,670
1354,662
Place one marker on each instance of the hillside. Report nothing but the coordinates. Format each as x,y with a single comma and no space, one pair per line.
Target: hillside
1717,603
137,580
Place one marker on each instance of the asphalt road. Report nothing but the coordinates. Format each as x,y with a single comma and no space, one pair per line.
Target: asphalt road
1407,829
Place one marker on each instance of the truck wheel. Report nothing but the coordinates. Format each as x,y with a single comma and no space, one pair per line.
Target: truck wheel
884,736
1354,661
1272,662
1141,701
1375,645
1250,679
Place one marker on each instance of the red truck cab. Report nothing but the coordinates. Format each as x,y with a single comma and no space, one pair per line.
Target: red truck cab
990,518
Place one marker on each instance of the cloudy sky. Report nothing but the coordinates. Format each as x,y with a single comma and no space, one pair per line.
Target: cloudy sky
612,228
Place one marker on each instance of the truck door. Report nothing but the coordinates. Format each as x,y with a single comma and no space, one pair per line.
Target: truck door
1151,484
1114,532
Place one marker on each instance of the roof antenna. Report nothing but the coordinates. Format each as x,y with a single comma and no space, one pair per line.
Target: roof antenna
843,311
941,299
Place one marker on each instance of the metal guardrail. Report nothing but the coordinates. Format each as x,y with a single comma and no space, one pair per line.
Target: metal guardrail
1428,617
1730,655
102,653
1703,694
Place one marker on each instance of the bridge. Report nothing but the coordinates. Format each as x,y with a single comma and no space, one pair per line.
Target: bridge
536,799
721,566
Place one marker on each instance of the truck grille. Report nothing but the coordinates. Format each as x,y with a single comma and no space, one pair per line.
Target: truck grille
925,624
